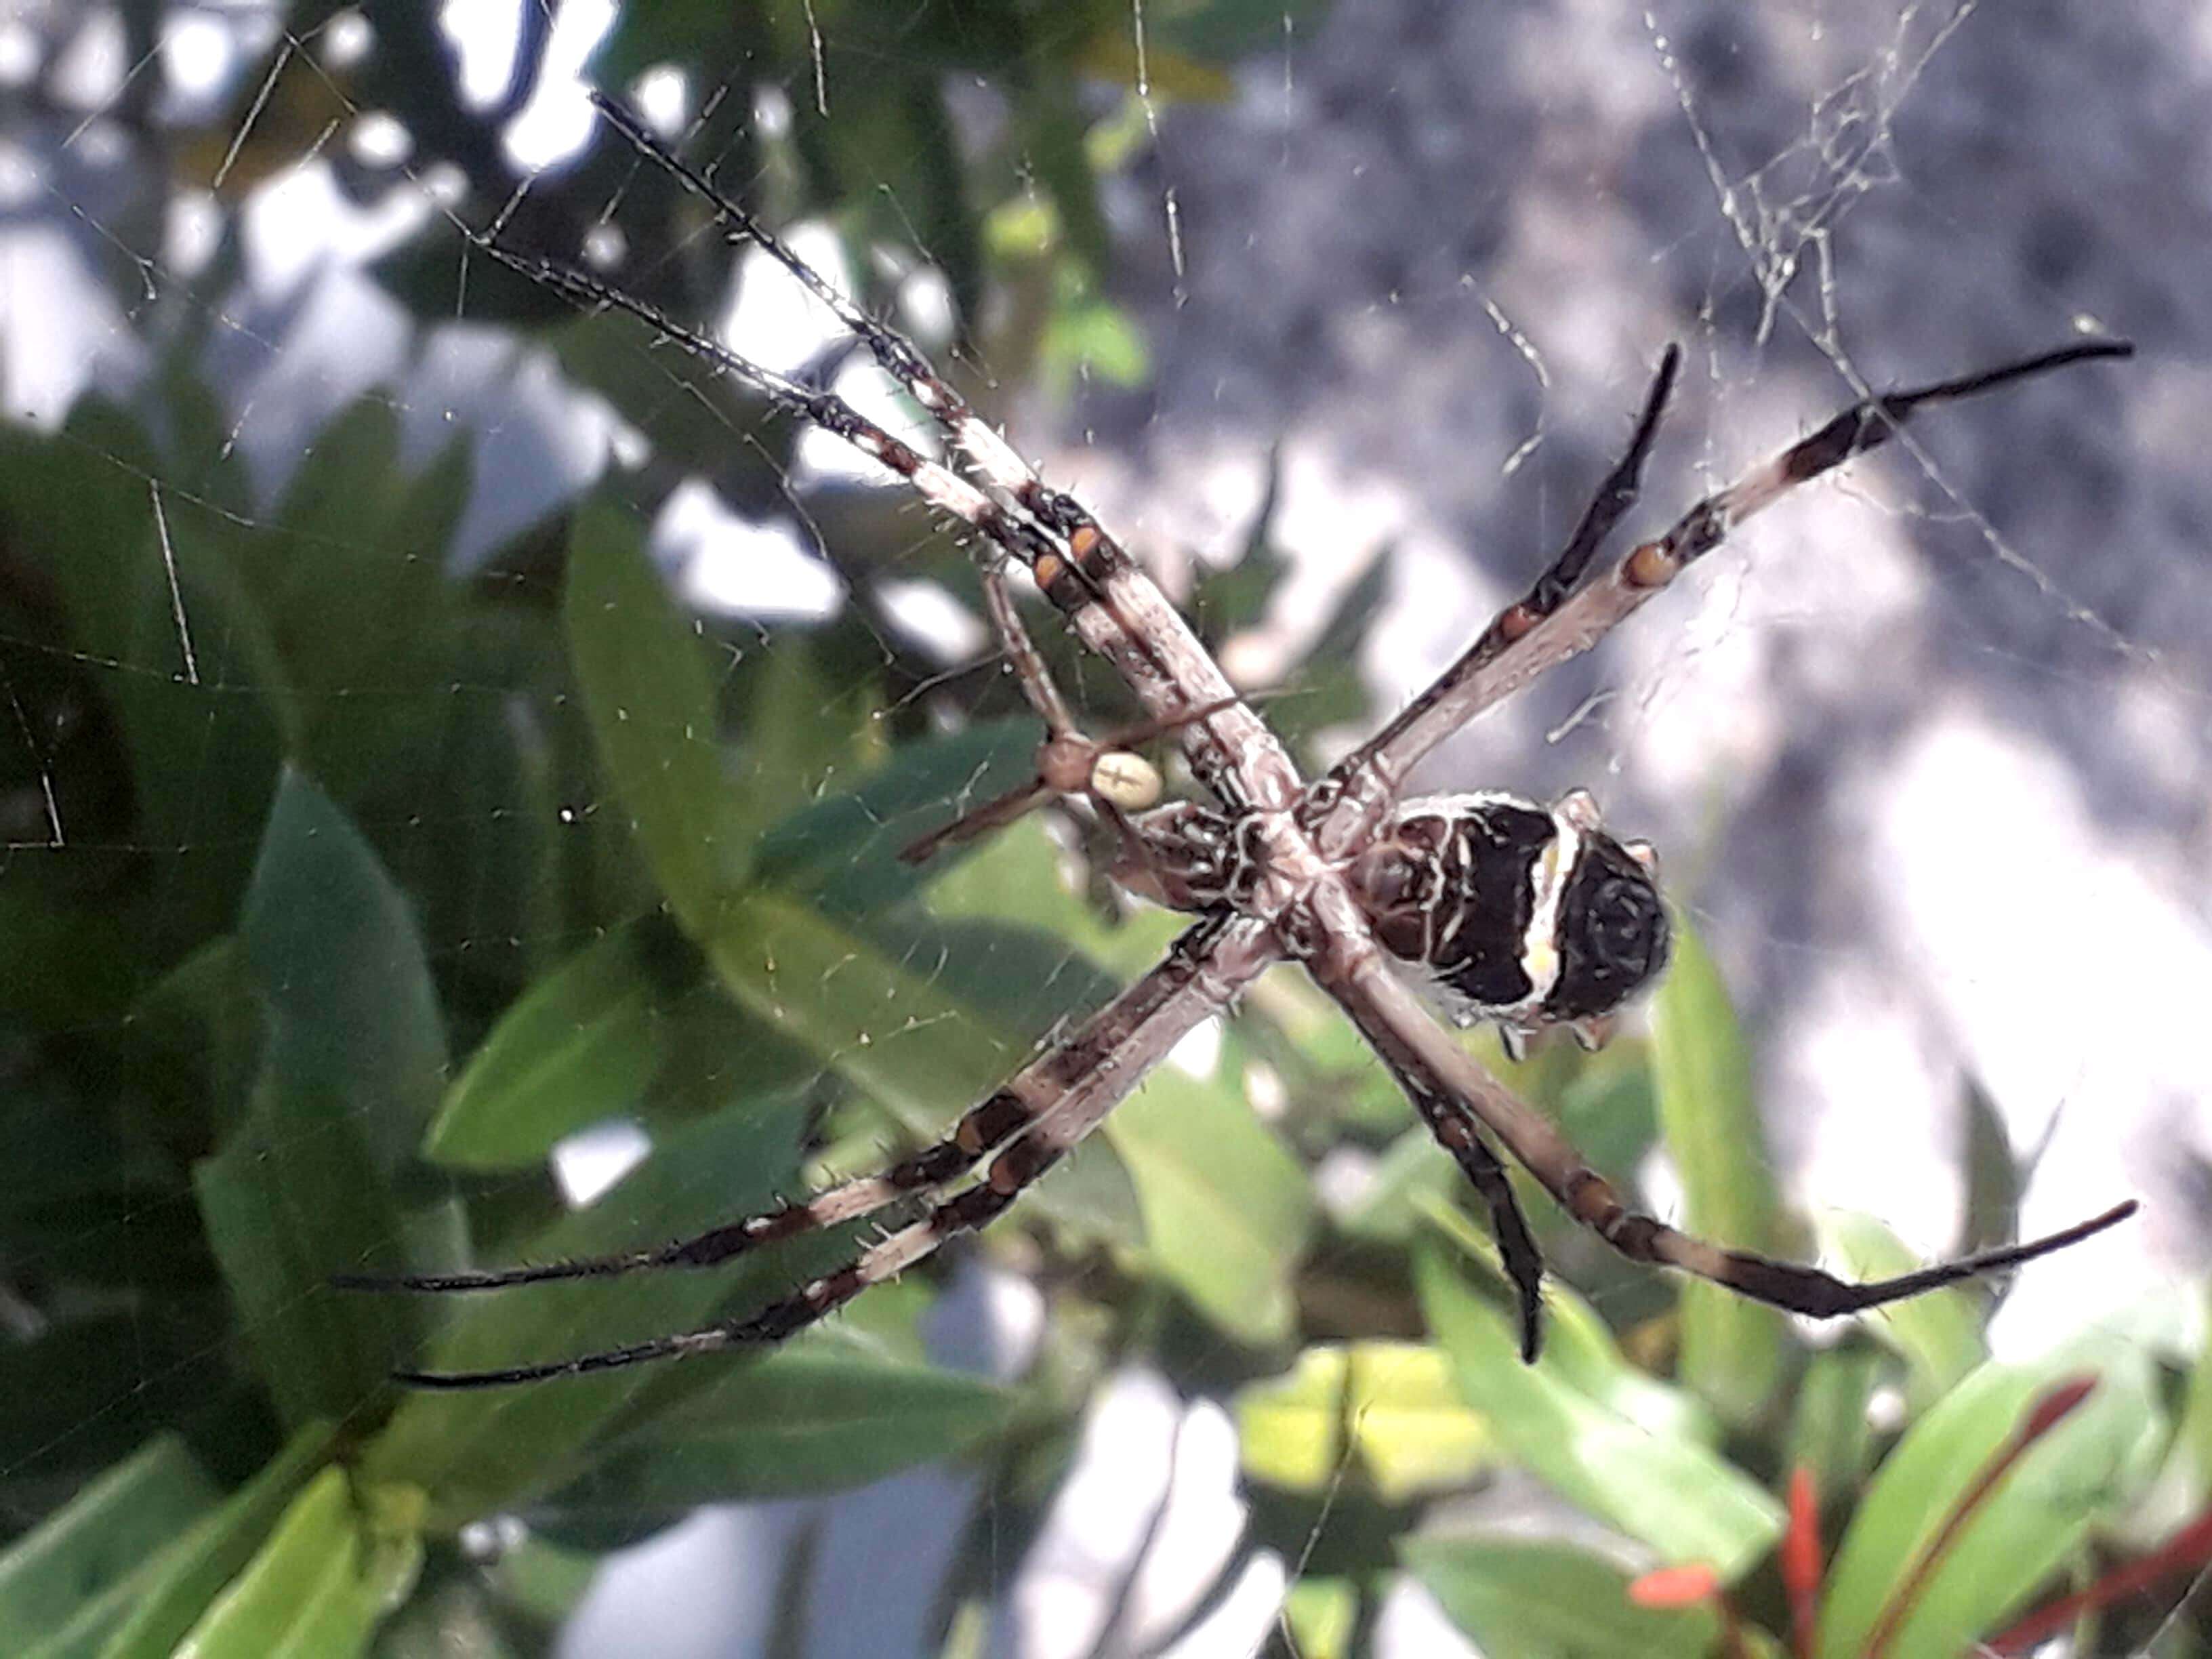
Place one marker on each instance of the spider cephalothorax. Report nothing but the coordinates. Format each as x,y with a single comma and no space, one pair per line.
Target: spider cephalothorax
1523,915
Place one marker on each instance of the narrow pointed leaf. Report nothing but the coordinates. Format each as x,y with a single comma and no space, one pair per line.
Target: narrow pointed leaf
1394,1403
2034,1519
476,1452
1539,1600
1227,1209
339,1560
352,1065
1682,1500
643,665
1939,1334
49,1576
582,1046
214,1550
1731,1351
822,1414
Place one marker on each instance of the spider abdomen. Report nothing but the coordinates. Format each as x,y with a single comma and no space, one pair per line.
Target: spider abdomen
1518,912
1455,883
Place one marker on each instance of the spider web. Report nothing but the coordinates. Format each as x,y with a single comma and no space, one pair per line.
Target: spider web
1927,748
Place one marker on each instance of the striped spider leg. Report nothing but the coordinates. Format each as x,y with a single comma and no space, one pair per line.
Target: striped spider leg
1051,1103
1563,615
1111,603
1401,1030
1030,1124
1526,915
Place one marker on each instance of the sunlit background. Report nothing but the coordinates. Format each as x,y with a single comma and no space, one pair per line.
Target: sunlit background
1374,285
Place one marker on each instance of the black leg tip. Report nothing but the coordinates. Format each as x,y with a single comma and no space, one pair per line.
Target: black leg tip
1532,1337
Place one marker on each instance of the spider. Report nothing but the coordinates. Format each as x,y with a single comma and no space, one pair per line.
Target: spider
1526,915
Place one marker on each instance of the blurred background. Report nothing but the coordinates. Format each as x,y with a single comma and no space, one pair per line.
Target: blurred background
456,746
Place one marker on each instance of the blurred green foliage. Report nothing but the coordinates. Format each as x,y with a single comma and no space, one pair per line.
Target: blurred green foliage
379,880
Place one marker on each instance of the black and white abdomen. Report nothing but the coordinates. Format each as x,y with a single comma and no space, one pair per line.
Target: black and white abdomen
1518,913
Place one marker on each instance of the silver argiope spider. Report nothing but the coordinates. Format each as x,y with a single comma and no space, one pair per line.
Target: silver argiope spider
1526,915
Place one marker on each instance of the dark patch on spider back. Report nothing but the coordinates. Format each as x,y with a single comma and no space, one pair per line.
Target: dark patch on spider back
1455,892
1490,865
1614,934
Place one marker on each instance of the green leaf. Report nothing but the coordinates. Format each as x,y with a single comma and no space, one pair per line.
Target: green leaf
340,1559
2037,1516
1227,1209
841,849
214,1550
1580,1348
201,764
1412,1174
824,1413
1390,1406
1831,1427
922,1045
2189,1465
478,1452
354,1027
354,537
1019,876
1995,1179
643,670
1536,1600
1238,597
893,1030
1732,1348
690,415
808,733
63,1568
1323,1615
1678,1498
581,1047
896,145
352,1065
1330,689
1939,1333
1049,111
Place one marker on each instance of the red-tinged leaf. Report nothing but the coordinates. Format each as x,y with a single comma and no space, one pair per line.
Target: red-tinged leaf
2187,1551
1690,1585
1551,1600
2050,1409
2085,1468
1800,1559
2054,1408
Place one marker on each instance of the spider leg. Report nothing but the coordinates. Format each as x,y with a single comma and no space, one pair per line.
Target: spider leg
897,356
1086,574
1031,1093
988,1124
1068,1092
1563,616
1453,1127
1400,1030
940,487
1377,762
1029,671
